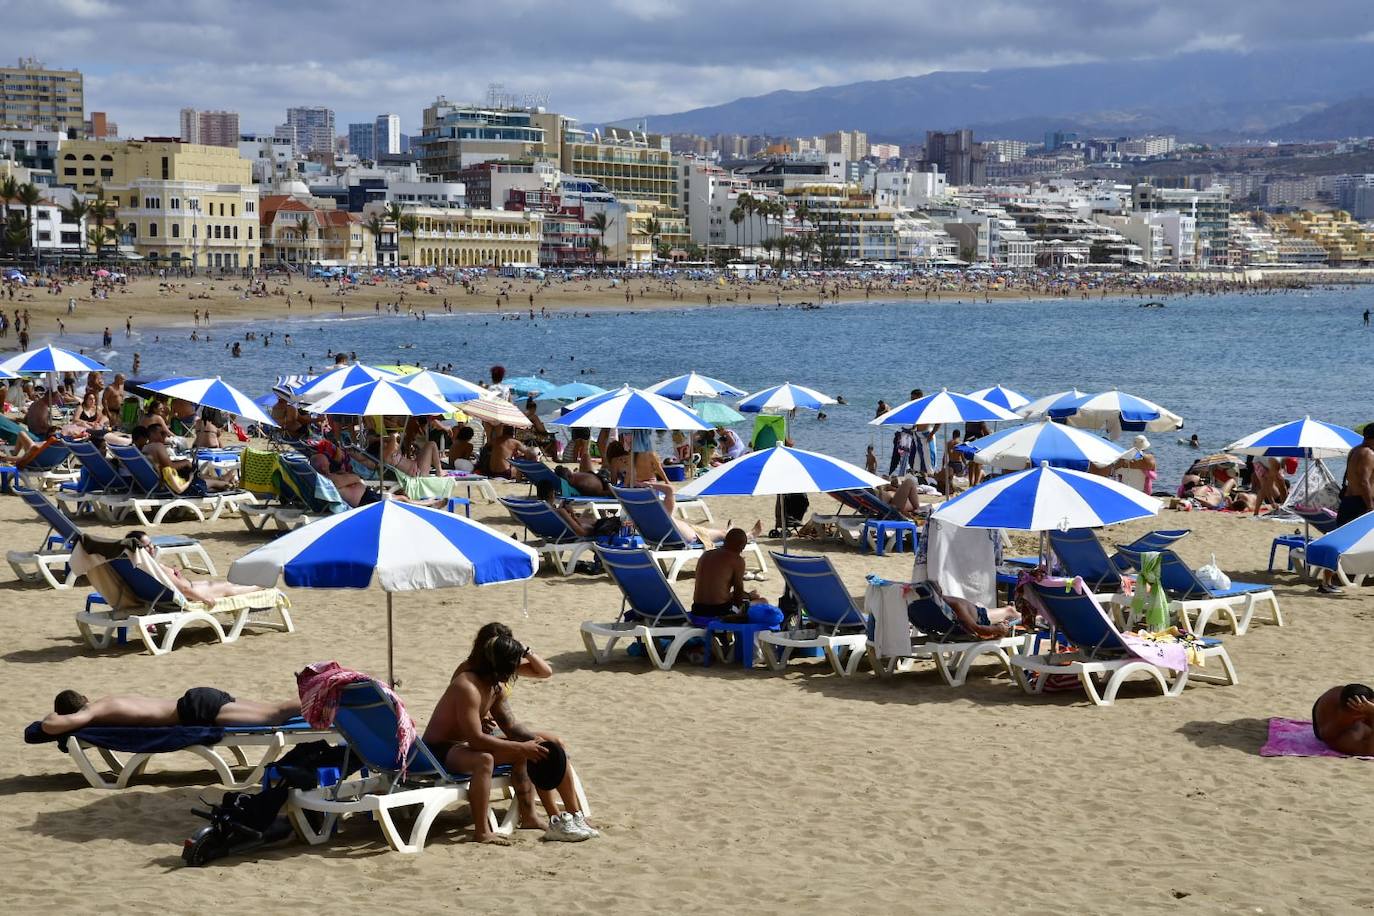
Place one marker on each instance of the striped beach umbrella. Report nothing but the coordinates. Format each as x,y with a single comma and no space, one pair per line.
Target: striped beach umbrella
1047,499
1040,408
381,398
527,385
784,397
496,410
442,387
1002,397
336,380
1348,549
404,547
693,385
943,407
1054,444
50,359
211,392
630,408
1305,438
1117,409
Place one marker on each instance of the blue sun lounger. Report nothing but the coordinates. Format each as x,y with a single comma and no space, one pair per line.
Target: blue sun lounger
940,637
367,719
831,622
1098,652
643,508
143,743
99,478
1196,605
556,539
651,611
149,492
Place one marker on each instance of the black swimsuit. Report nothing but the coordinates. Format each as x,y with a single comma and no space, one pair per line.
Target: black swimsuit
201,705
1314,721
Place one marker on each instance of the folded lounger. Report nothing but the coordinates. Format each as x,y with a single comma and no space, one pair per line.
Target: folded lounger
368,721
54,557
940,637
149,493
556,539
137,599
143,743
1196,605
832,622
1099,651
651,611
642,506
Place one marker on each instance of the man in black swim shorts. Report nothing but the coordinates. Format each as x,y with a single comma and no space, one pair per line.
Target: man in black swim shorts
199,706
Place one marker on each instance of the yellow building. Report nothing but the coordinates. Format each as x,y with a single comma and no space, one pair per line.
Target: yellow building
1346,242
627,164
84,164
471,238
33,96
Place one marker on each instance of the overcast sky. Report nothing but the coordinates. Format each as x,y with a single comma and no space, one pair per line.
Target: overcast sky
598,60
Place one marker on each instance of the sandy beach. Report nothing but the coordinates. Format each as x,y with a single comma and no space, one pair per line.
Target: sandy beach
723,790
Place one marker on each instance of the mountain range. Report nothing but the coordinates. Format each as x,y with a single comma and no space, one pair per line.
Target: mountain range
1314,91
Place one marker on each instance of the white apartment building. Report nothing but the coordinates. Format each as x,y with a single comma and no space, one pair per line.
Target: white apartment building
52,234
993,236
709,194
273,159
908,190
863,231
1146,147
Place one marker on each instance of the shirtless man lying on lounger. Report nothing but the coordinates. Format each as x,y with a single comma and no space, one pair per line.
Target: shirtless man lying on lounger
1343,719
203,706
985,623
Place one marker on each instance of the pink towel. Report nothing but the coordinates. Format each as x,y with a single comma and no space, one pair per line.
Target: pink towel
319,685
1294,738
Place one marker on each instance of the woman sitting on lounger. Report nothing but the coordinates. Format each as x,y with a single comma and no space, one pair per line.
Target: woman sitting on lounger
425,462
205,591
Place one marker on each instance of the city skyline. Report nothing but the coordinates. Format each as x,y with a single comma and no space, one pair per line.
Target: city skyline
642,56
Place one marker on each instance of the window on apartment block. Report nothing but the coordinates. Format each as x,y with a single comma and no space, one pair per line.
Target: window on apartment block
152,230
233,209
236,232
166,169
176,230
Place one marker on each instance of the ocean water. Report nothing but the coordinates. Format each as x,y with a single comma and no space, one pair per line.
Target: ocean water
1228,364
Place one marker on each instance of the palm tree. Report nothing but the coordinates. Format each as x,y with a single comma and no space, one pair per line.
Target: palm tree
100,210
97,236
376,224
30,197
601,223
303,229
593,246
653,229
409,222
805,245
76,213
768,244
393,212
737,217
9,191
14,232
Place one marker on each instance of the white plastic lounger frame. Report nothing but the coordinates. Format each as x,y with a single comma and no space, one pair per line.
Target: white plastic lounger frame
205,508
1239,610
159,629
647,635
952,659
844,651
1115,672
119,771
31,566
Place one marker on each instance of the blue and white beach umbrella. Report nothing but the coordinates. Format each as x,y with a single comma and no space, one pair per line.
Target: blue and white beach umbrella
1054,444
781,470
527,385
1047,499
1349,548
630,408
381,398
211,392
1305,438
1040,408
403,547
692,385
1002,397
943,407
1117,410
572,391
784,397
51,359
442,387
336,380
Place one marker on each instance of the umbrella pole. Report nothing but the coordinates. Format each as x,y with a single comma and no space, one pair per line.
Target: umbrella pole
782,517
390,660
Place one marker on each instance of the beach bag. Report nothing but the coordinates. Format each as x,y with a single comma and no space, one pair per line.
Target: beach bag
1212,576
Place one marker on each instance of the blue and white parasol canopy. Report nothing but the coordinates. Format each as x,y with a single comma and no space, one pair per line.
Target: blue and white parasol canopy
1305,438
442,387
693,385
212,392
381,398
1047,499
943,407
1349,548
784,397
780,469
51,359
1113,409
1002,397
527,385
1040,408
629,408
1049,443
336,380
404,546
572,391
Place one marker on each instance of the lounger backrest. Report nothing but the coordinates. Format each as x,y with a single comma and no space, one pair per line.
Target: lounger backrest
846,498
1081,619
140,469
1178,578
368,720
819,590
540,519
142,585
1155,541
534,471
929,613
300,477
57,519
647,593
100,474
872,505
1082,555
1321,519
650,518
51,457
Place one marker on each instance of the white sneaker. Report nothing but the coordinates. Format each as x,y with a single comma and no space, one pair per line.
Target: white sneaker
581,820
564,829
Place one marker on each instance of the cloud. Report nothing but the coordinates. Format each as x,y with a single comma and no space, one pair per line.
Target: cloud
603,60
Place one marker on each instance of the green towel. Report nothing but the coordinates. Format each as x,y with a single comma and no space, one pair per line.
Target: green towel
1150,601
424,487
259,473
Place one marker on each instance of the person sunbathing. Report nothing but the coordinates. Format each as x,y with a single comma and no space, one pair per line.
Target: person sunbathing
425,462
199,706
581,523
1343,719
719,585
458,734
586,483
995,623
204,591
351,487
692,533
904,496
160,455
